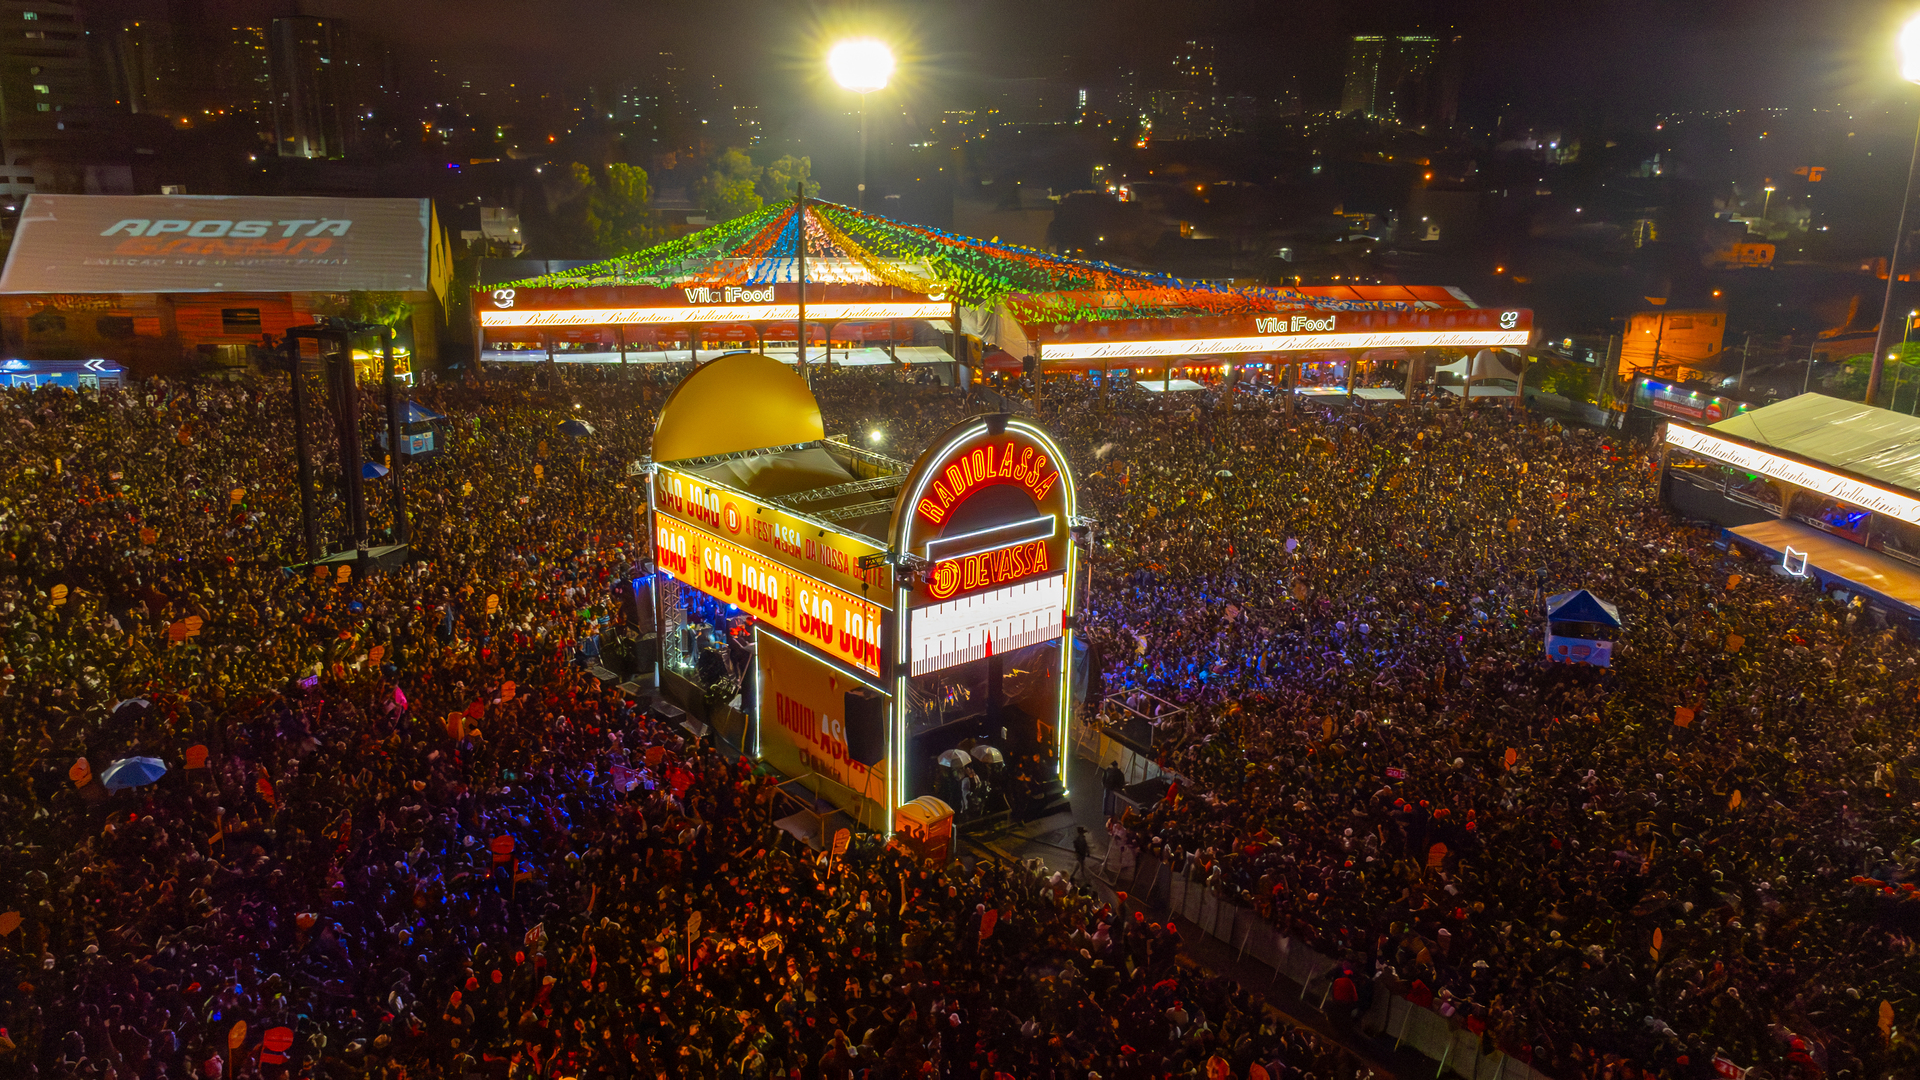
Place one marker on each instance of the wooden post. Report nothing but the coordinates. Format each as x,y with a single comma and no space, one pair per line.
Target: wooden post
620,335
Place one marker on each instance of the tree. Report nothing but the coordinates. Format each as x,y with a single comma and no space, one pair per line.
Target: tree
620,211
777,181
606,211
727,190
380,308
1572,381
1901,373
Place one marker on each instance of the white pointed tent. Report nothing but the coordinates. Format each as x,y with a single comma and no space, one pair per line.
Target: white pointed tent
1486,366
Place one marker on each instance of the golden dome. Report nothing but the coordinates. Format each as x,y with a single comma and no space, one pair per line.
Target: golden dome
741,401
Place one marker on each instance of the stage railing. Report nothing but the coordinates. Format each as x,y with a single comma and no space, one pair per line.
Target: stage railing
813,807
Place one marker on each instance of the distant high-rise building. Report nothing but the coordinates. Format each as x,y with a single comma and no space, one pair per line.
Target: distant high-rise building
144,67
46,88
1442,104
310,78
189,67
1128,96
1193,68
1190,106
1362,88
629,103
653,107
1403,79
242,69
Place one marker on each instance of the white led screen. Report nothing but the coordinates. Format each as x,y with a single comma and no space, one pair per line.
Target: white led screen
717,313
1027,613
1270,343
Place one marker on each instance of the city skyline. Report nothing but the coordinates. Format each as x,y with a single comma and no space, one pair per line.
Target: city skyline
1773,54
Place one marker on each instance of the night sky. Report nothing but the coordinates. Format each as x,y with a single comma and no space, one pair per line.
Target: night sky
1633,55
1565,59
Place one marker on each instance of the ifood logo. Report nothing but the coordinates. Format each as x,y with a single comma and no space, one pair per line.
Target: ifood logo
731,294
209,228
1295,325
503,298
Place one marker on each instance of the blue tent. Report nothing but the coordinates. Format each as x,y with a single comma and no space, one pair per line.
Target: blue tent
418,437
372,470
1581,606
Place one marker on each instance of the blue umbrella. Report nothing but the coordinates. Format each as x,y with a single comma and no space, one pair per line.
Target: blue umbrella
372,470
579,429
132,772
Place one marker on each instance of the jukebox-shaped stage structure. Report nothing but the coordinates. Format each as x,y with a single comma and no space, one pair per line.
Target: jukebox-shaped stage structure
875,613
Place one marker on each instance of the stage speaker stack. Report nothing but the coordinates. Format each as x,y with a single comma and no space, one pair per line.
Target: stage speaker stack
866,713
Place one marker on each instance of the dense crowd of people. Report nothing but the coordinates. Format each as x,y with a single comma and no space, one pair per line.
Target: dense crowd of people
1705,852
406,832
420,835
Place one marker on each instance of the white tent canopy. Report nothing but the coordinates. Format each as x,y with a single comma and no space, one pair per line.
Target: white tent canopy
1487,364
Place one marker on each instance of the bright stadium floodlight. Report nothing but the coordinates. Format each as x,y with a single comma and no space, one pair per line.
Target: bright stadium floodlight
1910,50
862,65
1909,70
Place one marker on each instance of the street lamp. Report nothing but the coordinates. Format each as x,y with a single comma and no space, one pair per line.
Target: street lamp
1766,203
1910,71
862,65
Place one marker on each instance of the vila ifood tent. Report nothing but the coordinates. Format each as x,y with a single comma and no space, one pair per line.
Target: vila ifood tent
867,275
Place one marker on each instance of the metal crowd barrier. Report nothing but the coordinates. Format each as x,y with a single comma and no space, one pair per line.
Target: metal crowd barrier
1441,1039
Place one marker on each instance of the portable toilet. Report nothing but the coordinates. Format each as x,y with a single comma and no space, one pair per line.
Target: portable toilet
924,826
